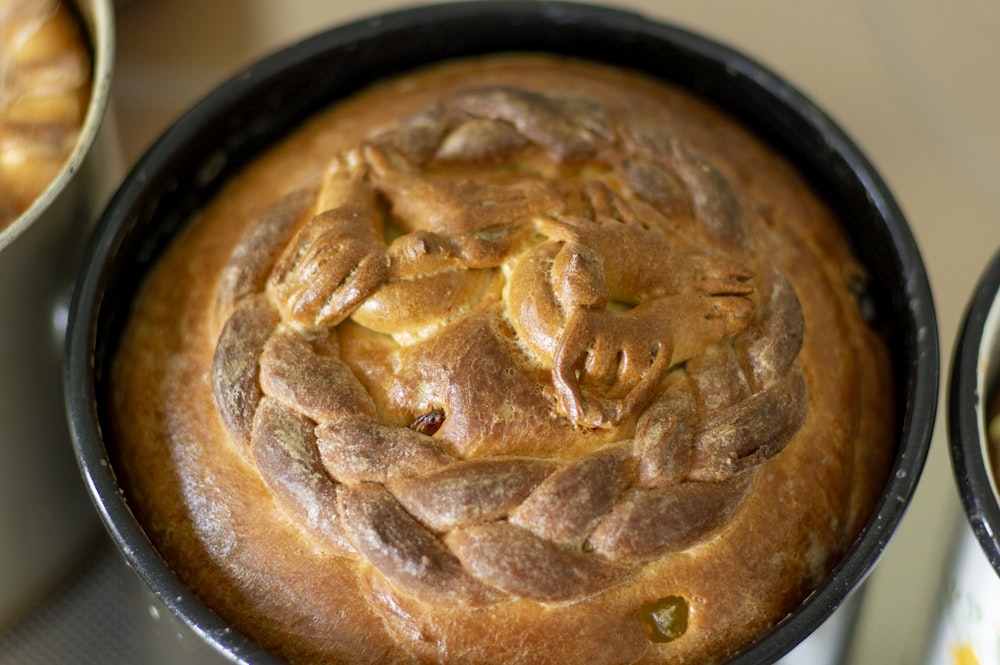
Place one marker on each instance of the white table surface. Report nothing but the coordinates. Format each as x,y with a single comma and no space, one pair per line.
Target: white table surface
912,81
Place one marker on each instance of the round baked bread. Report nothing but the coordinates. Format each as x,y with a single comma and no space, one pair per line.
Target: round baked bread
514,359
44,91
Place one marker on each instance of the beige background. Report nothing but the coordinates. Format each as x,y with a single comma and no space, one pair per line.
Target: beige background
912,81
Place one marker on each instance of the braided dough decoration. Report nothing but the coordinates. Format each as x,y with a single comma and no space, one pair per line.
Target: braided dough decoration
44,89
577,370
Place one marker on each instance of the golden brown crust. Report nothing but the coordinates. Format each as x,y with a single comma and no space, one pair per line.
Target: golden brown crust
500,367
44,91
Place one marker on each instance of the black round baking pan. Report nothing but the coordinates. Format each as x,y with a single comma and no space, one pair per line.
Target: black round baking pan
975,378
211,142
